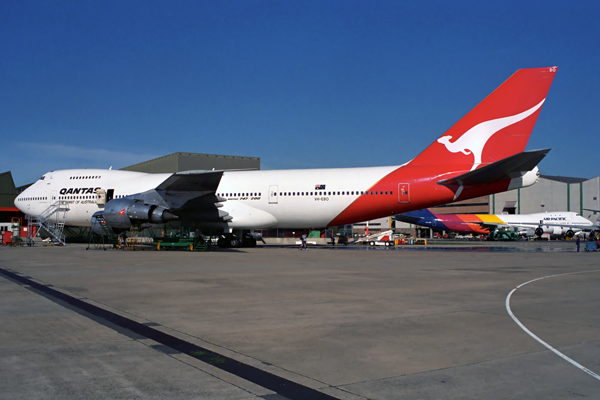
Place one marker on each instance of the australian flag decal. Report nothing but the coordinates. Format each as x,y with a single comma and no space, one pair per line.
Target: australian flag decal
319,187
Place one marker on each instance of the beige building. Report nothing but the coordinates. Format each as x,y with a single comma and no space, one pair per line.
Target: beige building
178,162
551,193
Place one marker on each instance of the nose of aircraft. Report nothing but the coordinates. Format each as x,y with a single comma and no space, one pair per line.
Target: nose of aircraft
24,200
19,201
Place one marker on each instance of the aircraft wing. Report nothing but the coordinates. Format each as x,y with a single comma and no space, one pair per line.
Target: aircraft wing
190,194
507,168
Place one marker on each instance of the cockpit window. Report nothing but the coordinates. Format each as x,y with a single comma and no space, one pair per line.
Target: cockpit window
42,178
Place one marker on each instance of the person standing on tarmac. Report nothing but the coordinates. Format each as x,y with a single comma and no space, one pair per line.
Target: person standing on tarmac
303,242
578,241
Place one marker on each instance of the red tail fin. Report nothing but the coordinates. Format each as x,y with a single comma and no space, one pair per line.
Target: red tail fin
496,128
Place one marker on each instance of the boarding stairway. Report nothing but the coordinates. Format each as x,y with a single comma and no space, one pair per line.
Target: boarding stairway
51,220
98,241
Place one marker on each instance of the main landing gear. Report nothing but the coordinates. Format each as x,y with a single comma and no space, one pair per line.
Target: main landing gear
230,240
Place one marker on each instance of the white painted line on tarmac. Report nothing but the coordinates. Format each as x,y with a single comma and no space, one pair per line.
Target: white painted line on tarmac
552,349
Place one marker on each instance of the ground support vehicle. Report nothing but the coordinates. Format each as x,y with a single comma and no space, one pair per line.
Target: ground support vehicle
504,234
182,243
591,246
385,238
16,242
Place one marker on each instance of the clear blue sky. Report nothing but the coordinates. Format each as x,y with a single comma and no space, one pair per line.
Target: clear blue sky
300,84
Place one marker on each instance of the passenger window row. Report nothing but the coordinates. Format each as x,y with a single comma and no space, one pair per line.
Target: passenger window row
76,197
321,193
342,193
33,198
85,177
239,194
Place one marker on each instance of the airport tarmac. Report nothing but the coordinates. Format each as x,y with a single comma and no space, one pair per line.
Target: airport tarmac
275,323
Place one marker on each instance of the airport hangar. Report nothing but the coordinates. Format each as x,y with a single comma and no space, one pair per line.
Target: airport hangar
550,193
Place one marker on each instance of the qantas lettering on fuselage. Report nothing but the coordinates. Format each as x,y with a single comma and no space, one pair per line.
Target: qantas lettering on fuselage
64,191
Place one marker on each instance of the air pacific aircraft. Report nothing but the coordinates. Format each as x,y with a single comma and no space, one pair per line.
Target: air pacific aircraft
483,153
555,223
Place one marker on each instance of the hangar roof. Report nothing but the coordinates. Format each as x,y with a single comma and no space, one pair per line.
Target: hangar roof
177,162
7,190
563,179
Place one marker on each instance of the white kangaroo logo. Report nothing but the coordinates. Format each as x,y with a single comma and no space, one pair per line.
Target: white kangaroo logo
474,140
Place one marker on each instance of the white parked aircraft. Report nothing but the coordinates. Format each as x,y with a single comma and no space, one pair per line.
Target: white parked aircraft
483,153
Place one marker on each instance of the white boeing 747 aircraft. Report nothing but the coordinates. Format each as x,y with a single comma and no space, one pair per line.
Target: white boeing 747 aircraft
483,153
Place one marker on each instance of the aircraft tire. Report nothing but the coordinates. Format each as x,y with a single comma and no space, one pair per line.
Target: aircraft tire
539,232
249,242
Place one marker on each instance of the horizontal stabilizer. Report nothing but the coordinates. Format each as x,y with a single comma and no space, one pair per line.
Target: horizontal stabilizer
507,168
408,219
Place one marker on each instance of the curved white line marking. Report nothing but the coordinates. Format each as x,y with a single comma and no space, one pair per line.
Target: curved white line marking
552,349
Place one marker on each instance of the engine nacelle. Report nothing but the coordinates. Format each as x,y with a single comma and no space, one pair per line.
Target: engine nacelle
554,230
529,232
123,213
569,233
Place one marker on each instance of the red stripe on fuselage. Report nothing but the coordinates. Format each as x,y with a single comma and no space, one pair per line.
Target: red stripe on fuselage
424,192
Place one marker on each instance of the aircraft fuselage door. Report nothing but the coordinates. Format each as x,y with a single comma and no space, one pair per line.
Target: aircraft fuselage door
110,193
273,193
403,193
101,197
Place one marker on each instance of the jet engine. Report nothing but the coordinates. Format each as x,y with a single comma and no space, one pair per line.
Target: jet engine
528,232
569,233
554,230
557,230
123,213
